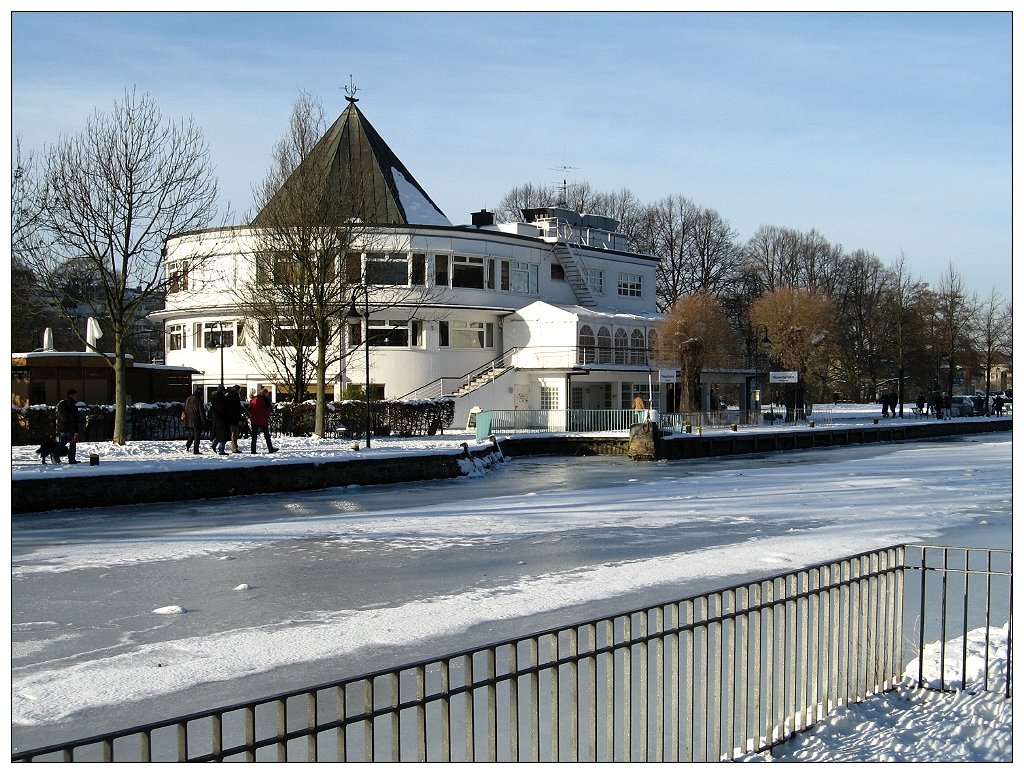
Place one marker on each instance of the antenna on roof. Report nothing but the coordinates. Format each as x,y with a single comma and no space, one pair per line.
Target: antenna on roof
563,199
350,90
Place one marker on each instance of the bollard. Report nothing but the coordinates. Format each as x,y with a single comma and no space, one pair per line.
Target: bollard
94,459
734,427
700,431
876,421
689,427
810,423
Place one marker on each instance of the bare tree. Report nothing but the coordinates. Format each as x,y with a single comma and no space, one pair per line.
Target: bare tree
772,254
307,263
863,335
955,311
714,257
670,223
29,309
904,320
994,334
695,334
116,192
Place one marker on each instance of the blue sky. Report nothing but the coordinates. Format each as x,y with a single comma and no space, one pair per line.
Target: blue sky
885,132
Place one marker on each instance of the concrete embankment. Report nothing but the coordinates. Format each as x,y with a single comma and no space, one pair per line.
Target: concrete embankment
36,495
33,495
692,446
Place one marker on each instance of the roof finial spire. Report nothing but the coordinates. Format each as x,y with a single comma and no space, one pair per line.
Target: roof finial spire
351,89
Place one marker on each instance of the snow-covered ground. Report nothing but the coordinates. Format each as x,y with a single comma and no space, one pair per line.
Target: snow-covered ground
167,456
136,608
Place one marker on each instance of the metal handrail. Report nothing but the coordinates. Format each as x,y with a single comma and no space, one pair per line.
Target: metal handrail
746,667
466,378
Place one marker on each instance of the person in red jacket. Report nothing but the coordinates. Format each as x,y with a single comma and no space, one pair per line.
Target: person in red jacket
259,418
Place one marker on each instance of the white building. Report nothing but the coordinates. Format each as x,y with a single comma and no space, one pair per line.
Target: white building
552,312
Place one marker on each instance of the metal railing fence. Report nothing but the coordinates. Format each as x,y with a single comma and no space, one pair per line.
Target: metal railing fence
706,678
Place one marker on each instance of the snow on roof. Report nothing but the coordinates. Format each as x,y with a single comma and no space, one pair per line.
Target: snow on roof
419,210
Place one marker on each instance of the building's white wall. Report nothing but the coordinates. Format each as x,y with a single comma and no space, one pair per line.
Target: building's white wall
221,265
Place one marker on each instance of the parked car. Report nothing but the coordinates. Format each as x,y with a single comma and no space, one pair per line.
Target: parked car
962,406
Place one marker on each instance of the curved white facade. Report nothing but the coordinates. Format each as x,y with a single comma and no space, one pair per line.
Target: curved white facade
560,304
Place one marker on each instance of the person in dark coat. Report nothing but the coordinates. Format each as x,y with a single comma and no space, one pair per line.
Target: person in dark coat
67,424
259,418
219,405
195,419
234,406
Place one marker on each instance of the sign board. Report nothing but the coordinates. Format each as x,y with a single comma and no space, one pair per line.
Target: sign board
783,377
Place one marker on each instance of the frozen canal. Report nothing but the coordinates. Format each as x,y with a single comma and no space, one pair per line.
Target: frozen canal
143,612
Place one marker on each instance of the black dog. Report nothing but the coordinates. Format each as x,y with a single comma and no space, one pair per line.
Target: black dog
53,449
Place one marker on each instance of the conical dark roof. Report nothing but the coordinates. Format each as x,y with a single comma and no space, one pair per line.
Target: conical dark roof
359,177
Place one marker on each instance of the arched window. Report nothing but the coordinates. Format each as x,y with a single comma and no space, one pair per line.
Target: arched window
587,345
637,350
621,346
652,341
604,345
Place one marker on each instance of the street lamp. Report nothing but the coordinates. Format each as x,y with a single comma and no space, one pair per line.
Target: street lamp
762,343
353,315
220,345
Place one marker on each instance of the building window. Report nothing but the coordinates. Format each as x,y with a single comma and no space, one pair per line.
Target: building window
441,270
471,335
595,281
284,334
177,276
288,270
621,346
215,334
388,333
467,272
604,345
418,339
630,285
637,350
175,337
519,277
418,269
387,269
354,268
443,336
587,345
548,398
557,272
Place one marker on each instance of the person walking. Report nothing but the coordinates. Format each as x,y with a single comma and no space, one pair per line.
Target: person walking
234,407
67,424
260,408
221,427
195,420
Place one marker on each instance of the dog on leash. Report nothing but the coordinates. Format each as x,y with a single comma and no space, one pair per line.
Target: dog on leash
53,449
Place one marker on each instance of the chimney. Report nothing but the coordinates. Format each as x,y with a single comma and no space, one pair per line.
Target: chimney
483,218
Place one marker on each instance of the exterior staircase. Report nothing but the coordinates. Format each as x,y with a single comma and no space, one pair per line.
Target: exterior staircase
575,272
478,381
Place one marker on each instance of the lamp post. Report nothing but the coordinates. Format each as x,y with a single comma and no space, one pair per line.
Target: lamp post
763,342
353,315
220,345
